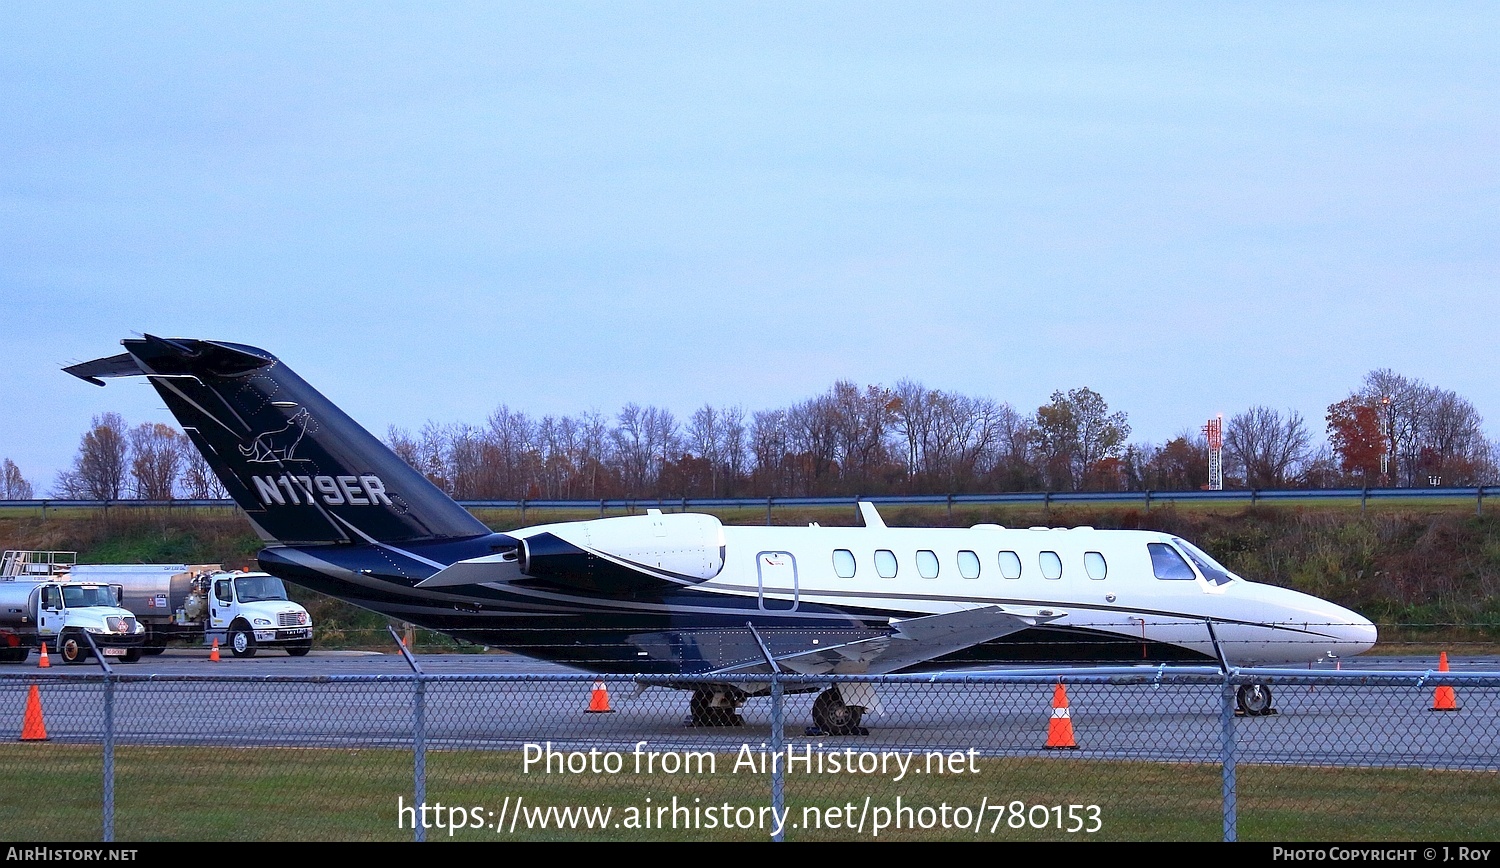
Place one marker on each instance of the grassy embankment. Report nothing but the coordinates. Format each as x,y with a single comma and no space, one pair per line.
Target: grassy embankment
1428,574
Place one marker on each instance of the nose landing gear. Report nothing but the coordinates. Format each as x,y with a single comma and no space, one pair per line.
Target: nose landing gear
1254,700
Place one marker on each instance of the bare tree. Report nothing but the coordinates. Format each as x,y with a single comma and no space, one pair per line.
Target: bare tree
199,482
770,445
13,486
705,439
1266,447
156,453
99,468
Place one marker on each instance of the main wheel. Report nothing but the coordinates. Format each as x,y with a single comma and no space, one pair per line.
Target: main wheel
72,650
1254,699
702,711
241,642
831,715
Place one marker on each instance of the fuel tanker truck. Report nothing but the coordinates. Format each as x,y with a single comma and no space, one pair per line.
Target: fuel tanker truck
41,602
244,611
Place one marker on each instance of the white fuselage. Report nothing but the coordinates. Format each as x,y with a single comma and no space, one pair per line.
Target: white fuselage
1097,581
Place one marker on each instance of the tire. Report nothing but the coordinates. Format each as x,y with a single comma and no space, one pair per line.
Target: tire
241,642
14,655
300,649
71,649
152,650
702,711
1254,699
831,715
132,655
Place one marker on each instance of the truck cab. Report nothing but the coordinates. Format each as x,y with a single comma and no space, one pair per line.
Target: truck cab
250,610
65,610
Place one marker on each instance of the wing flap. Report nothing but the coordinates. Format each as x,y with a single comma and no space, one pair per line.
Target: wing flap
911,641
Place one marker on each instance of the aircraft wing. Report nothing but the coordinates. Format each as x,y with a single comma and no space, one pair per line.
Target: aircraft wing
911,641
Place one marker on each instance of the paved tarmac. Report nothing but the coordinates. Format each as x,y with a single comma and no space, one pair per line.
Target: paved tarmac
274,699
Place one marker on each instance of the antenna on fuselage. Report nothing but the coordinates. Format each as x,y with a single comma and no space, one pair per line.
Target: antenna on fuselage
871,515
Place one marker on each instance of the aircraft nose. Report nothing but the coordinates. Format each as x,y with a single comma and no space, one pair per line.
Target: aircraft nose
1355,634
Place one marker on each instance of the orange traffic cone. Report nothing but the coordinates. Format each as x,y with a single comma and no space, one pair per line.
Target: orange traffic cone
599,700
33,728
1060,727
1443,698
44,663
214,654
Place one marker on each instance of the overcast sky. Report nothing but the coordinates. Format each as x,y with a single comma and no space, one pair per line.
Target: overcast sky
1191,209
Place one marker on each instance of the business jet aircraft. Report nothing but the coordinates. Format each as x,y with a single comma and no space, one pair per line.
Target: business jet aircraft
682,594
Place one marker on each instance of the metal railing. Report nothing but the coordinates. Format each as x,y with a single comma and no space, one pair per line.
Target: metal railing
1045,499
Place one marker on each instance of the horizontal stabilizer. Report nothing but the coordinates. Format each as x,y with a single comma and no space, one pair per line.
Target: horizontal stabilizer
123,365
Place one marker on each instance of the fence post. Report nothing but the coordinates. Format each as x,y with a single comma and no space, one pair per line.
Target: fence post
109,757
419,754
1479,503
768,512
418,736
1228,792
778,773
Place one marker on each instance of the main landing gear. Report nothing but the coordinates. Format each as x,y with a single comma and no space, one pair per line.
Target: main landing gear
832,717
710,707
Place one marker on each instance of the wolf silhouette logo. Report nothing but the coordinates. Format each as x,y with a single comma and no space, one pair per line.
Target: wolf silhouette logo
275,447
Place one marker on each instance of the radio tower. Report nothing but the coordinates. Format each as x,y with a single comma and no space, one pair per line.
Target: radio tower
1215,431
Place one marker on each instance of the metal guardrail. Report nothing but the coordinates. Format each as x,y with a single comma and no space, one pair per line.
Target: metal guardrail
1046,499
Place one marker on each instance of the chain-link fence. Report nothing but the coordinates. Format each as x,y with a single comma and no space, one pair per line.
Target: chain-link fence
1104,754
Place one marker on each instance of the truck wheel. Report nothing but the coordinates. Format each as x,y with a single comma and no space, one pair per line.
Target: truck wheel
241,642
71,650
132,655
14,655
300,649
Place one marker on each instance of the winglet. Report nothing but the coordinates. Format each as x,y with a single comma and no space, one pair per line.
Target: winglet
871,516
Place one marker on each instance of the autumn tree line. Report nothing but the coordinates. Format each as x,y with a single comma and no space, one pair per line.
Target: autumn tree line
1390,432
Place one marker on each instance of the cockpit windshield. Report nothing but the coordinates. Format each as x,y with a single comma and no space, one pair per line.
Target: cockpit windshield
1211,569
258,589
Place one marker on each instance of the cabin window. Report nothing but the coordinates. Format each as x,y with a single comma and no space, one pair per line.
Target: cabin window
927,564
1094,563
1010,565
885,564
1051,565
843,563
1167,564
968,565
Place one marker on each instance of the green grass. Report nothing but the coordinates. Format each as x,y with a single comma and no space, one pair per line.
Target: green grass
281,794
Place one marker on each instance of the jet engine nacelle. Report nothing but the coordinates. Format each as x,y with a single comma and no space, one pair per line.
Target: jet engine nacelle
687,546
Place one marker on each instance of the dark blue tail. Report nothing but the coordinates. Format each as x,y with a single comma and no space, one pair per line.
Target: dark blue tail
302,470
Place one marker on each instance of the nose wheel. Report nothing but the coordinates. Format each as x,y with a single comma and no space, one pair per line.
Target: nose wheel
1254,700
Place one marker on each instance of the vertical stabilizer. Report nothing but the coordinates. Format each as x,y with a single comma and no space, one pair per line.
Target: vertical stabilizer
302,470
